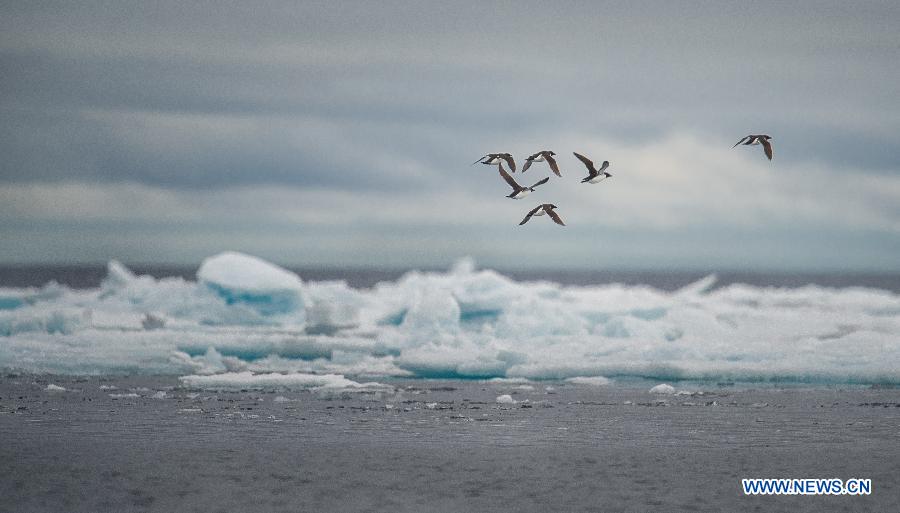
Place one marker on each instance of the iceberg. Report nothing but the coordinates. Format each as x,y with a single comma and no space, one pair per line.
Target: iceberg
664,389
10,299
245,279
45,320
505,399
245,315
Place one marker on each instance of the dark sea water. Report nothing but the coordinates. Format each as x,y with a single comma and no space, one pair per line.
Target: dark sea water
90,276
154,444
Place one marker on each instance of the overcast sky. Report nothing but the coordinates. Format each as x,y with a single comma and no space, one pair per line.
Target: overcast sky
341,133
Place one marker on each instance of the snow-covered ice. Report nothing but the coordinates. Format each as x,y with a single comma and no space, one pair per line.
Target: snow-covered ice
596,381
273,381
663,388
505,399
244,316
245,279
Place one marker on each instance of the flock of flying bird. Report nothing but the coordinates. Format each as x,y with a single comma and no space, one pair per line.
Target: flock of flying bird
594,175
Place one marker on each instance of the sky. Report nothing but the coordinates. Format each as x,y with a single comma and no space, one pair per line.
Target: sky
342,133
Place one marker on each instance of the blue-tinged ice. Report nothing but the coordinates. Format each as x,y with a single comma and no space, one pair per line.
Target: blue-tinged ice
10,299
247,280
245,315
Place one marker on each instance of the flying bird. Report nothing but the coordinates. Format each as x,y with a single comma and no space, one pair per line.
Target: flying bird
756,140
594,175
540,210
543,156
519,192
494,159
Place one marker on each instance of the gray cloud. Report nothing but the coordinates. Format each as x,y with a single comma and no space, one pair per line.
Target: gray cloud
349,100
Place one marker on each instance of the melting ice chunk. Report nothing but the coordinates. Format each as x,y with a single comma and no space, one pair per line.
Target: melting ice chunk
245,279
596,381
663,389
273,381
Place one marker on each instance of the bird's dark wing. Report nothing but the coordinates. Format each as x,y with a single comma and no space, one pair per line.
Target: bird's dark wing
512,183
745,138
553,165
603,167
587,162
767,147
553,215
509,160
528,162
479,160
542,182
531,213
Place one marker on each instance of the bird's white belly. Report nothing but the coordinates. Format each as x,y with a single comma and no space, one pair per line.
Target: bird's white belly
598,179
539,158
539,213
521,194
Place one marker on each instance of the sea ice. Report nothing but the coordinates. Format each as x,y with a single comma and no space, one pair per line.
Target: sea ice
663,389
509,381
245,279
505,399
273,381
589,380
153,321
43,319
247,316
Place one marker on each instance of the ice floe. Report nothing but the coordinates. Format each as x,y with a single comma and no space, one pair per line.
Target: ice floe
245,279
663,388
273,381
596,381
247,316
505,399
